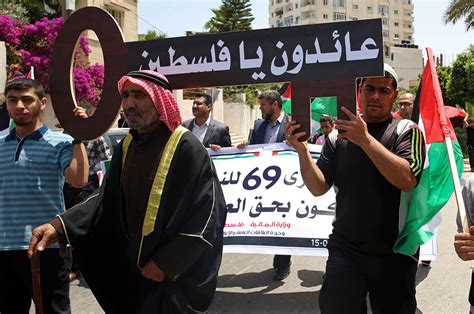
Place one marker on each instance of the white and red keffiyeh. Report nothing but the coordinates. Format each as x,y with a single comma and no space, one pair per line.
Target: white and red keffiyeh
163,98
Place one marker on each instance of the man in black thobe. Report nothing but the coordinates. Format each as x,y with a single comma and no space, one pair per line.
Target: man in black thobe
151,240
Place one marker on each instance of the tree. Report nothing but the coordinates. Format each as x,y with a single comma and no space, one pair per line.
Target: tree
459,9
15,10
151,35
444,77
232,15
461,83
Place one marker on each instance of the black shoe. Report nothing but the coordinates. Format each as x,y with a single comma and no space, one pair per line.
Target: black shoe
281,273
426,263
74,275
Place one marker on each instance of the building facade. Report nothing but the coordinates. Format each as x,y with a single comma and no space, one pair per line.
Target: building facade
397,15
125,12
397,25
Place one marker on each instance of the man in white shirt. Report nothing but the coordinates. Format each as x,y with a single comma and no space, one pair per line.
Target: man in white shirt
211,133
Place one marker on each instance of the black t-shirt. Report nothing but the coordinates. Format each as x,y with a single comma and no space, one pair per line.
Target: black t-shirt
4,119
470,136
367,213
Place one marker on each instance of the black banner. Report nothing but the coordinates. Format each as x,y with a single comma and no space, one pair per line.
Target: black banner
329,51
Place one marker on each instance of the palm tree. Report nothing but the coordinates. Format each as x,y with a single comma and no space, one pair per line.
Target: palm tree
458,9
232,15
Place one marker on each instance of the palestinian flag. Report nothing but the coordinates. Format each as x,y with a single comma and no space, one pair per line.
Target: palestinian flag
285,92
320,106
436,184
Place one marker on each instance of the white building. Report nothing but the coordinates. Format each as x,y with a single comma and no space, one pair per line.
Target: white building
397,25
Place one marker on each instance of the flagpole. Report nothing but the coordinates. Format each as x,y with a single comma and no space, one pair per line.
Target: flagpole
457,184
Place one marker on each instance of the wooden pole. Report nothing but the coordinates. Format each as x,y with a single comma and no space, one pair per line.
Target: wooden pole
35,275
457,185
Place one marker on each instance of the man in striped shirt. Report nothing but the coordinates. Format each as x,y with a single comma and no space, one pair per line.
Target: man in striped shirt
370,163
33,164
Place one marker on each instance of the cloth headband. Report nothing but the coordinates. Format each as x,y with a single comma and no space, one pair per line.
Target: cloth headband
150,77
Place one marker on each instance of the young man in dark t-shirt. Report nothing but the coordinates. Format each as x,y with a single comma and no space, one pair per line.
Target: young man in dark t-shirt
370,165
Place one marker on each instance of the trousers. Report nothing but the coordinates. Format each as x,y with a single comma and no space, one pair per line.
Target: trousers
16,289
389,280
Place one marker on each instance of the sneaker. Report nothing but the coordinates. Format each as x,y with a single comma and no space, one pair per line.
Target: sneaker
426,263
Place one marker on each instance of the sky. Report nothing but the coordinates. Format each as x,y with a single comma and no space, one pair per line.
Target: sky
175,17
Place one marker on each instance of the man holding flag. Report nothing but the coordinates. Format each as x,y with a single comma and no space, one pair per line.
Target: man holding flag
371,163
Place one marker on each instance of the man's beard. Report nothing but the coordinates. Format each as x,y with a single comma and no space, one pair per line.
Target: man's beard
33,116
147,118
268,115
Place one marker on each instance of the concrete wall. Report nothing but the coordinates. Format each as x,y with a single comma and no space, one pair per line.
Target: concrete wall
240,117
408,63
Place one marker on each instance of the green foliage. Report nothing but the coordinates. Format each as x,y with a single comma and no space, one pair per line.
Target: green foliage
151,35
461,83
459,9
249,91
232,15
444,77
30,11
15,10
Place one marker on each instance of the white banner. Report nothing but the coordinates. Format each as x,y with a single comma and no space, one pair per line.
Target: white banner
269,209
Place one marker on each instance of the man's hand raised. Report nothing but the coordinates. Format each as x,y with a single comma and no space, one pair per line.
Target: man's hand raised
41,237
355,128
293,139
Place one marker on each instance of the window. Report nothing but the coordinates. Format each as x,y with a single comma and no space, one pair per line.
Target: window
355,7
396,36
396,24
370,9
339,3
407,1
117,15
407,25
297,19
383,9
337,16
296,6
395,11
385,22
385,34
325,2
288,21
280,23
407,13
354,19
325,16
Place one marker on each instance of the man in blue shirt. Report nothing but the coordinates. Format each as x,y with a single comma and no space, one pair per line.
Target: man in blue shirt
33,164
270,129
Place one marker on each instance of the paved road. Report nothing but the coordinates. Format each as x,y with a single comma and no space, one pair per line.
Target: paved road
245,284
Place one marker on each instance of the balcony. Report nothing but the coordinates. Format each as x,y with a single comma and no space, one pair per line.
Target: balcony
308,8
279,10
